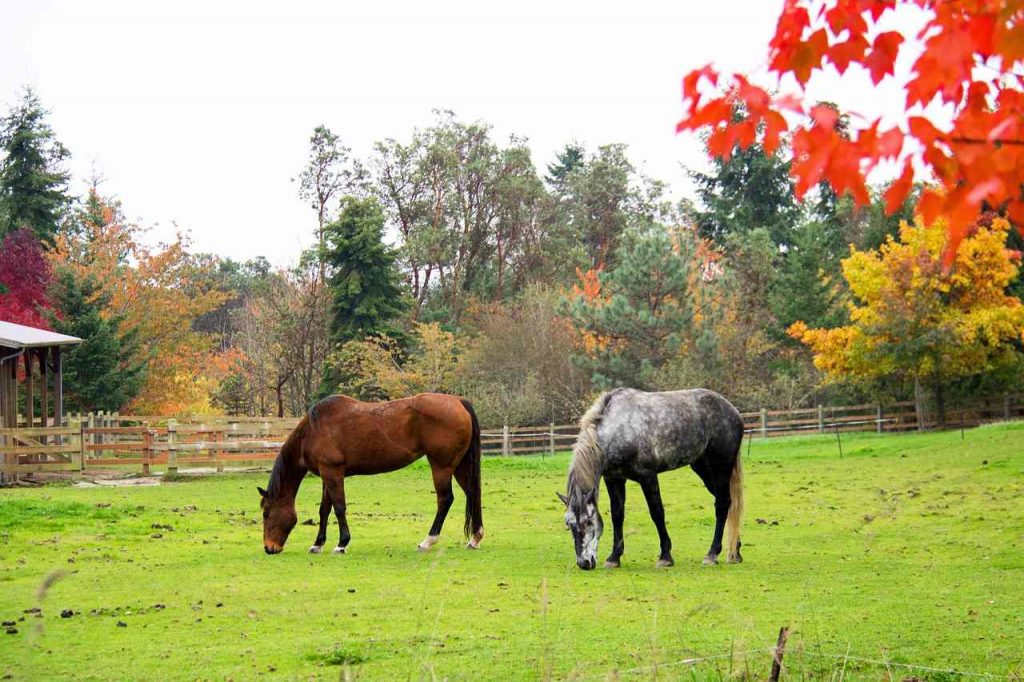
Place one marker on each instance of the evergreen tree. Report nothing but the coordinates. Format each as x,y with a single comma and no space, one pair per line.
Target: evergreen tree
33,183
572,156
749,191
97,375
364,283
642,311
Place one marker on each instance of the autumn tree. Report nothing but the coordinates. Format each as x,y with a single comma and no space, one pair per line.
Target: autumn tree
25,276
33,181
156,294
967,57
914,319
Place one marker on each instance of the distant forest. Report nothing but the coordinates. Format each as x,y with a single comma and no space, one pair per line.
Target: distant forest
447,261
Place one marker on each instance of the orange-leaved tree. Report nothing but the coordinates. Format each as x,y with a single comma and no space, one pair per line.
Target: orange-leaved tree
912,318
968,57
157,294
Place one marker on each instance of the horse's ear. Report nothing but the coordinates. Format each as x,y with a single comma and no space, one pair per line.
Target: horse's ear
563,498
263,493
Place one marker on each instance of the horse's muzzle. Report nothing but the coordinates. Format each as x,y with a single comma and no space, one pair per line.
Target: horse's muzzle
586,564
272,550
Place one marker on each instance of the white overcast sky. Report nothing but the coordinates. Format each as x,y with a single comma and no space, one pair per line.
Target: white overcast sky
198,114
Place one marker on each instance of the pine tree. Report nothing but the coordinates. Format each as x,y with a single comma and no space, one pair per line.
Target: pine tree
96,374
365,286
33,183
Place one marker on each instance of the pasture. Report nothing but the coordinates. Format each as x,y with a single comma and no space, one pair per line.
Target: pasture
908,550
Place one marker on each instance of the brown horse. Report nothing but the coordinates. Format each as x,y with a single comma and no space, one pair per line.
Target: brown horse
345,437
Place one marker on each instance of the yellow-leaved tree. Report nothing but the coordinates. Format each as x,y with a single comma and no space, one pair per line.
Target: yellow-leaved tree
914,319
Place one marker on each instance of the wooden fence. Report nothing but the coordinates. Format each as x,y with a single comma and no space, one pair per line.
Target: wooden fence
89,443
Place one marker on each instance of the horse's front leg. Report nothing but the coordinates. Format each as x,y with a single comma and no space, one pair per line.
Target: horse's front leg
652,493
445,497
334,486
325,511
617,499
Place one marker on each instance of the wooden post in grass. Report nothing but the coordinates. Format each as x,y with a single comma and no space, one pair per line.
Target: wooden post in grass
878,419
551,439
764,422
81,443
506,441
780,651
147,450
172,454
821,419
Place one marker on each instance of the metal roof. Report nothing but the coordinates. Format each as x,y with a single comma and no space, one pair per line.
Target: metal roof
19,336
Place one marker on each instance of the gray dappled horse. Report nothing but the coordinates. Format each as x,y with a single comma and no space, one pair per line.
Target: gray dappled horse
630,434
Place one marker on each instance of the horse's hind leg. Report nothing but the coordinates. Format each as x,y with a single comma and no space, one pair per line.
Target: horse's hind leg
443,489
334,482
652,493
325,511
617,499
716,479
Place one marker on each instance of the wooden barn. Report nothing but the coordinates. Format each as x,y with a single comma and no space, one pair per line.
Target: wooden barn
31,358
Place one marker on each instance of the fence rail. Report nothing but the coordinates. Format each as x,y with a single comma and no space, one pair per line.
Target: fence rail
141,443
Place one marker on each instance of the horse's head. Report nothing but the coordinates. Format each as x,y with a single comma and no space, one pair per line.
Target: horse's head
583,520
278,520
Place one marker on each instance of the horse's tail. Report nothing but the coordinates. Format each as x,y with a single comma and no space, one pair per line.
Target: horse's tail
735,508
470,468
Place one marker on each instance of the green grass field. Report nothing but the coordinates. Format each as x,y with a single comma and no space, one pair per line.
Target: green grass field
909,550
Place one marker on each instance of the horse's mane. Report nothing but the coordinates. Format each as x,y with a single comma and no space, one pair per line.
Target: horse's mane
587,457
294,441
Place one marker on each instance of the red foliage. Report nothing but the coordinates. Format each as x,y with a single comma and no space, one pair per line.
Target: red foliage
972,60
24,275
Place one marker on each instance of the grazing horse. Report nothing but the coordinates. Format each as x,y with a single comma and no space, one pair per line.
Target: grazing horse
345,437
629,434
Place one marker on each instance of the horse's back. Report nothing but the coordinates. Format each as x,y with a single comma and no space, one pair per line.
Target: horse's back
374,437
643,432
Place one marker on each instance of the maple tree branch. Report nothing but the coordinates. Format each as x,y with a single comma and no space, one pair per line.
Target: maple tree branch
974,140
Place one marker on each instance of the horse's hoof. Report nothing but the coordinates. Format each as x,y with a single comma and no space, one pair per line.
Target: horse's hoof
422,547
612,564
710,560
472,544
665,563
735,559
339,550
316,549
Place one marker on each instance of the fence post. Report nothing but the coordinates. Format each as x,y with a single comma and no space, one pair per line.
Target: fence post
506,441
878,419
821,419
551,439
172,454
764,422
218,436
1006,407
81,444
147,449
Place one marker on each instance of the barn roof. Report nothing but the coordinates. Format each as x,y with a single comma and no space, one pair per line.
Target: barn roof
19,336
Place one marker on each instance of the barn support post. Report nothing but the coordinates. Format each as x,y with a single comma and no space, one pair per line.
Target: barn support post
58,388
44,388
30,398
